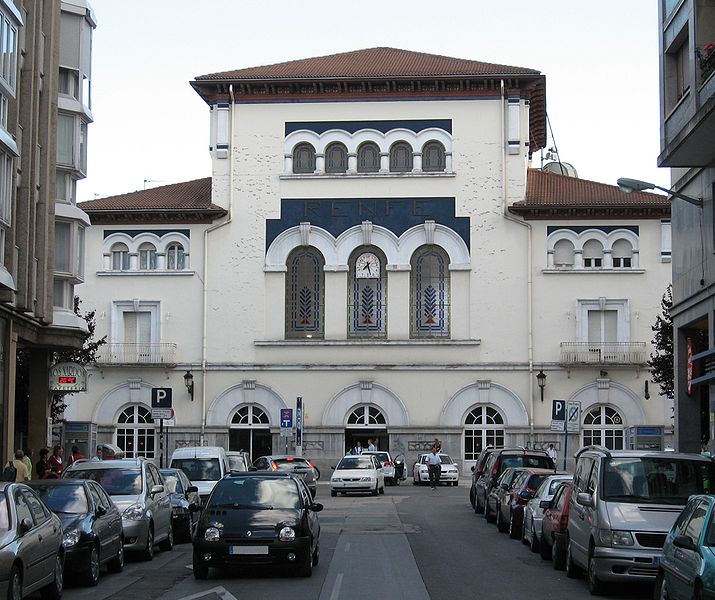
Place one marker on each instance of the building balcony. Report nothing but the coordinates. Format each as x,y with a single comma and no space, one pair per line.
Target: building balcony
604,353
150,355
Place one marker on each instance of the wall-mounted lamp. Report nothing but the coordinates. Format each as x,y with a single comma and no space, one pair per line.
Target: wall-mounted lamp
541,380
603,373
189,383
646,393
636,185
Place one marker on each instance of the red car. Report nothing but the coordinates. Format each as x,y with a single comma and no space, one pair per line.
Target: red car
511,506
554,527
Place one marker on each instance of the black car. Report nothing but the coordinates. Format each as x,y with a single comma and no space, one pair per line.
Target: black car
477,471
497,493
183,495
258,518
92,525
500,460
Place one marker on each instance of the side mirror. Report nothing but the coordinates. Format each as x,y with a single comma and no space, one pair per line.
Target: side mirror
504,486
192,489
25,526
101,511
584,499
316,507
193,507
156,489
333,467
683,541
545,504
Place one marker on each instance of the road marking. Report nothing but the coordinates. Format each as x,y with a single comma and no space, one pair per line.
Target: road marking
335,594
219,592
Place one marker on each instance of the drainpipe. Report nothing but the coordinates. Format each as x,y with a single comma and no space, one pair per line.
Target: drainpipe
204,336
529,280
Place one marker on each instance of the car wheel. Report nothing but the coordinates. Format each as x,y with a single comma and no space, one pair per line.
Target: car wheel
116,565
376,490
479,509
488,513
53,590
316,555
168,544
502,527
534,545
14,584
557,556
455,484
514,529
333,493
201,571
572,570
545,550
148,552
472,498
186,532
595,585
91,576
306,569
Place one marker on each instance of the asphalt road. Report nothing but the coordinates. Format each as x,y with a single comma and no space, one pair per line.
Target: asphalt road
411,543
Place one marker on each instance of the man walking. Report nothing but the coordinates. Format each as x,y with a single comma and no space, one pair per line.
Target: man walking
551,451
434,467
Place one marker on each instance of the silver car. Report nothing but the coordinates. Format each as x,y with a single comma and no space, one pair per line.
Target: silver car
388,465
137,488
534,514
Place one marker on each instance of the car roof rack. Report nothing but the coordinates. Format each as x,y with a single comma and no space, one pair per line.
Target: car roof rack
594,447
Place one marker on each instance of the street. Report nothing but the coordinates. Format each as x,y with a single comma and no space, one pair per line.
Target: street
410,543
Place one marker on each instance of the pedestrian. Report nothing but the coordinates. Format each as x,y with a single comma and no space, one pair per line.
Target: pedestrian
358,448
551,451
27,459
437,445
43,467
99,455
21,471
56,460
76,455
371,447
434,467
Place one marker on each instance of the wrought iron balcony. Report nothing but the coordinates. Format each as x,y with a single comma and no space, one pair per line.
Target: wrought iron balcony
603,353
117,355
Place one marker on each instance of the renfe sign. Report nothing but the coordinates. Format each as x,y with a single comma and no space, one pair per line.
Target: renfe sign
67,377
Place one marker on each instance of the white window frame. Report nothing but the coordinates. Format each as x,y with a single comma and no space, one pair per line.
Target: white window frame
621,306
119,307
134,427
579,240
76,252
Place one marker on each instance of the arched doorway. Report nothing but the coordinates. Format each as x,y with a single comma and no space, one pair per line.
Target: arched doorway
250,431
483,426
136,433
366,423
603,426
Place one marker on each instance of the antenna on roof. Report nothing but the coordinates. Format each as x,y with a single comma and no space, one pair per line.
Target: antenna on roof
152,181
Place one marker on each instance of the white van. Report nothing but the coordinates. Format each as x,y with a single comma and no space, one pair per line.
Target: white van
203,465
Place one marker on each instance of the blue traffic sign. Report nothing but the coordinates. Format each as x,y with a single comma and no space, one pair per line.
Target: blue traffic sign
286,418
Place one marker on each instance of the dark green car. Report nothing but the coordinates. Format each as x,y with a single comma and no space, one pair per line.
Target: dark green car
258,518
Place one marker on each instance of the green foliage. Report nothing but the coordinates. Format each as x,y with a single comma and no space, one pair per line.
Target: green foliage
662,362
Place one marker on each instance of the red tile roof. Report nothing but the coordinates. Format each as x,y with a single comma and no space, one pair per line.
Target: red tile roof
372,62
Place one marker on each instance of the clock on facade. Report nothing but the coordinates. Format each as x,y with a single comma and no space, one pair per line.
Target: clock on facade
367,265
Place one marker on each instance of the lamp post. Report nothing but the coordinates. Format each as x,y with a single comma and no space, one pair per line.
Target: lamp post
189,383
636,185
541,379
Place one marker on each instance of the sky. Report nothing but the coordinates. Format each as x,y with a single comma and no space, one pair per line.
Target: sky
150,128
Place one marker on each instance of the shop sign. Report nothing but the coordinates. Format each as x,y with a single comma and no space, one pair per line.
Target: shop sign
68,377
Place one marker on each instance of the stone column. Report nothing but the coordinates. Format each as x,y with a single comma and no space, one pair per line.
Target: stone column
352,162
384,162
320,163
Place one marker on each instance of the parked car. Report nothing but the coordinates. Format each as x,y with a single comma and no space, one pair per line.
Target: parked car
91,523
203,465
512,503
183,494
136,487
237,461
687,567
623,505
491,512
449,473
258,518
297,465
533,513
31,550
388,465
501,459
554,526
358,474
477,470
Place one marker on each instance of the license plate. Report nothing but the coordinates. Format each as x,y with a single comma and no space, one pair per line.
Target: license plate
248,550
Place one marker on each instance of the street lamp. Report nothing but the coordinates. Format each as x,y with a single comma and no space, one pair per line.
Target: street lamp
635,185
541,379
189,383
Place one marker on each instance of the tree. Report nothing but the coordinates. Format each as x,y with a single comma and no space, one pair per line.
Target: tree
662,362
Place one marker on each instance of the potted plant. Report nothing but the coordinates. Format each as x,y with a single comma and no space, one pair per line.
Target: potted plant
706,58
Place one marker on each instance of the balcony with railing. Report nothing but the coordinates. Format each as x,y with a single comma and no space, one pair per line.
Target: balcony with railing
150,355
603,353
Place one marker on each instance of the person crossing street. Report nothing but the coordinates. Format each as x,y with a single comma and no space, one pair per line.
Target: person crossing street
434,467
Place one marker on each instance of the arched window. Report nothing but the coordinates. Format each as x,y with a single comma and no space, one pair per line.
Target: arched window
483,427
336,158
305,293
400,157
563,254
120,257
147,257
593,254
429,285
367,293
303,158
622,254
366,416
603,426
175,257
136,432
368,158
433,157
250,432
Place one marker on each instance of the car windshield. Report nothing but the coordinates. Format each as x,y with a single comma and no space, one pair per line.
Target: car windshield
116,482
355,462
199,469
383,457
526,461
255,493
291,462
535,481
172,483
63,498
236,463
655,480
446,460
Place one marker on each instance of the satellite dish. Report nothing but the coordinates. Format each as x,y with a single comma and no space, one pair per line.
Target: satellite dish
560,168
